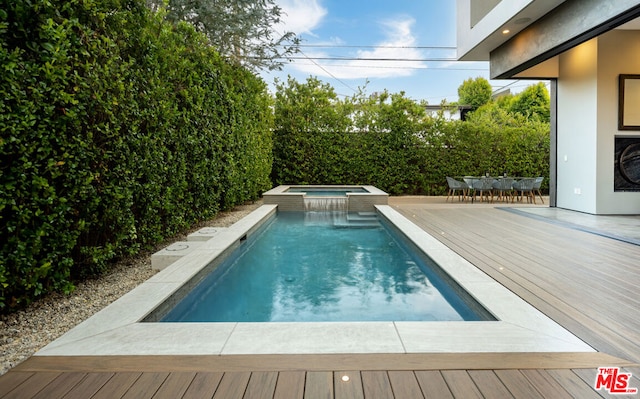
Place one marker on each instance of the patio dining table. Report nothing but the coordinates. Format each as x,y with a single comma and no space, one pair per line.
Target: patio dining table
472,180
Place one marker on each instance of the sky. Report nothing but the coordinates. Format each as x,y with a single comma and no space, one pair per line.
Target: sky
398,45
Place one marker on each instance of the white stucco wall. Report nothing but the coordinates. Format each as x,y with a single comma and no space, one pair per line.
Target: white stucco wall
577,128
588,123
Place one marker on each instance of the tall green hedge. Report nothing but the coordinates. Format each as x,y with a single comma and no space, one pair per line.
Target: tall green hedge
389,141
117,130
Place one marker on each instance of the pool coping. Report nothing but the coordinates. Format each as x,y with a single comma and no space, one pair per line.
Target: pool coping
117,330
296,201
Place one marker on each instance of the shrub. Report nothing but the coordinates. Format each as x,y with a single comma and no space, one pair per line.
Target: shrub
387,140
118,130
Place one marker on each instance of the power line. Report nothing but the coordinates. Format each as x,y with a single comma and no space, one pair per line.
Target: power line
371,59
329,73
324,69
504,87
399,67
375,47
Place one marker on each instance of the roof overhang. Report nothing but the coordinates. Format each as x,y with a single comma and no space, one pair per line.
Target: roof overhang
476,42
531,45
570,24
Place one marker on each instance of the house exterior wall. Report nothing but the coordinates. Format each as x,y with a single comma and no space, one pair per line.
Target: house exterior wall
619,53
587,117
577,128
574,42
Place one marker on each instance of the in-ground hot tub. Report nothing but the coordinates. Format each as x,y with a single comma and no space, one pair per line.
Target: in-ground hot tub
350,198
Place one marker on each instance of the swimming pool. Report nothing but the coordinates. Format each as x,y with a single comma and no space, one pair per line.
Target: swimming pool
119,328
326,266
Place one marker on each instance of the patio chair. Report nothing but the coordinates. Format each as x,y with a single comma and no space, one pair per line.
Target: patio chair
455,185
525,187
503,187
485,187
536,187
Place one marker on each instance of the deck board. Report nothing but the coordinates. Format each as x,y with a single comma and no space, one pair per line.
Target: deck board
348,389
518,384
376,384
461,384
146,386
60,386
262,385
548,386
319,385
11,381
233,385
585,282
290,385
117,385
175,385
89,385
30,387
404,385
321,362
433,385
489,384
204,385
574,384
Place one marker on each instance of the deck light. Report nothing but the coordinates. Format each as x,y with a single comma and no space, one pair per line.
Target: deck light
506,32
345,378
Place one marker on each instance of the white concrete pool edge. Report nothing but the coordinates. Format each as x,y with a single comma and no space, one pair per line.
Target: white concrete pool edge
117,330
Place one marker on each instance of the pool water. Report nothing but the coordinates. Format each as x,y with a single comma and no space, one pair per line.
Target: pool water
324,266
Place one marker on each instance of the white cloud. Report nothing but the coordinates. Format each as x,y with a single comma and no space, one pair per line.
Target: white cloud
300,16
394,48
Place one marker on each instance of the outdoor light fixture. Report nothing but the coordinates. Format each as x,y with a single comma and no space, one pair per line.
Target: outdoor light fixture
345,378
506,32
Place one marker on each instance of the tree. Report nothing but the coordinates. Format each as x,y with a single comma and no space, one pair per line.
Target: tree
474,92
241,30
305,114
533,102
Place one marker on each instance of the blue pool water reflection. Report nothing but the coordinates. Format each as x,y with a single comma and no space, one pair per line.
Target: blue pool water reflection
323,266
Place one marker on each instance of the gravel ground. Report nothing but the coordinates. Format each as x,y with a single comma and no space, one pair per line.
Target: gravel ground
25,332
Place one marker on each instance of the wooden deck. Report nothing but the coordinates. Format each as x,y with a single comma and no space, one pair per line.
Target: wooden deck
585,282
